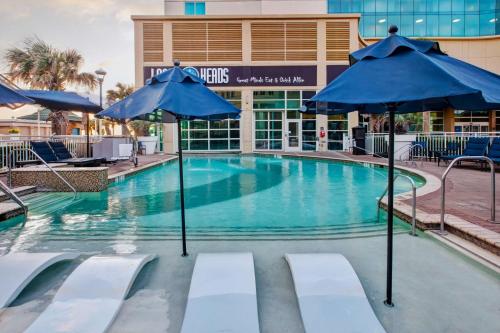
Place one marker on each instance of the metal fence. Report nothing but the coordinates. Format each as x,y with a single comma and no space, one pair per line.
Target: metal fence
76,144
376,143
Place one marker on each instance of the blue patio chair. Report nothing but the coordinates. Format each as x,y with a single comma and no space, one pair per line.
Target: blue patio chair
475,147
494,151
418,149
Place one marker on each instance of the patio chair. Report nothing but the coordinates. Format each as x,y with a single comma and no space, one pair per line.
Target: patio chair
418,150
330,295
222,295
90,298
452,148
494,151
63,153
21,268
475,147
49,155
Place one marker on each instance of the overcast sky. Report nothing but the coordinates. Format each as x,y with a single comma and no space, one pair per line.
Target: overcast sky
101,30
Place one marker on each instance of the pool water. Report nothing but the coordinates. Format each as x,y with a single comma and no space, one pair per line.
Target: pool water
231,196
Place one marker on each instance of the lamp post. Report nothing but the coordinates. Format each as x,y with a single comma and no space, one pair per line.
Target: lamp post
101,73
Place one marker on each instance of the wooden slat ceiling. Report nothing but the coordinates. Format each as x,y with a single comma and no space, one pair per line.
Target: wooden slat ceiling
204,41
153,42
337,40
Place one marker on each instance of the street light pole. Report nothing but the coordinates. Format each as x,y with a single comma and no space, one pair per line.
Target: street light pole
101,73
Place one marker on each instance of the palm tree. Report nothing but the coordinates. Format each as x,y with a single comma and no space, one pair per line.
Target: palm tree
41,66
121,91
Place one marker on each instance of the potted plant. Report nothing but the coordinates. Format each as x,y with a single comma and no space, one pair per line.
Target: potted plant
140,130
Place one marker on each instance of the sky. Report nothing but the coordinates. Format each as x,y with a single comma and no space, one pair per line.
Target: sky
101,30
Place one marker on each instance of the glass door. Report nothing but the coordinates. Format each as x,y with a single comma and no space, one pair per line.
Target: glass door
292,135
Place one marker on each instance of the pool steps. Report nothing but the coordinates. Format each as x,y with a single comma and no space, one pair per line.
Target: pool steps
330,295
90,298
20,268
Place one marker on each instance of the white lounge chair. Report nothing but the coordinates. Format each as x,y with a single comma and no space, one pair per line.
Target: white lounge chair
90,298
19,268
331,297
222,296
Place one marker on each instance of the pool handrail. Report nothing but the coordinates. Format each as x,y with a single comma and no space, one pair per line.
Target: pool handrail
45,163
443,187
12,195
409,147
414,201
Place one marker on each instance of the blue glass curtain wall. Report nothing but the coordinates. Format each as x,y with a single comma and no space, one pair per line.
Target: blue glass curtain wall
424,18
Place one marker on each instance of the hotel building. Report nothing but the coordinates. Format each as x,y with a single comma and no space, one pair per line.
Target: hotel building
269,56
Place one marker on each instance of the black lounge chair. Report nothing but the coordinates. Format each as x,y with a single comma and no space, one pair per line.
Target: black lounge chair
475,147
63,154
44,150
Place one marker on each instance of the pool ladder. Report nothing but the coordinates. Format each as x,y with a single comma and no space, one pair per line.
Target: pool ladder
414,202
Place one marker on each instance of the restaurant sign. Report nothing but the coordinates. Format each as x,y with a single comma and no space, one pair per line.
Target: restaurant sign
233,76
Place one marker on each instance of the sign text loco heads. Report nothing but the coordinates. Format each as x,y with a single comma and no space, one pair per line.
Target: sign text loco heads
231,76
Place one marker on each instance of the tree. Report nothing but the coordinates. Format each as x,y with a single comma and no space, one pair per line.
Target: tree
41,66
121,91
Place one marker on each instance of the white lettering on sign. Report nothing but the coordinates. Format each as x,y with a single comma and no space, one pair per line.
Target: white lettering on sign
215,75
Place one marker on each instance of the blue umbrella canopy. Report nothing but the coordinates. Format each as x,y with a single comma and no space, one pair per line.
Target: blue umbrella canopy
62,100
413,76
401,75
9,96
179,94
172,96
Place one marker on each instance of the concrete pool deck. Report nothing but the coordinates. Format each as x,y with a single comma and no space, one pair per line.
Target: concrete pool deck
436,289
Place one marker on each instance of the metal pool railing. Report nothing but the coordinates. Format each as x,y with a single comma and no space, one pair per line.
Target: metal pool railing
376,143
76,144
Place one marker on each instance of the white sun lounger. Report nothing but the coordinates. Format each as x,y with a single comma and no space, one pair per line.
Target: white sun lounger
222,296
20,268
90,298
331,297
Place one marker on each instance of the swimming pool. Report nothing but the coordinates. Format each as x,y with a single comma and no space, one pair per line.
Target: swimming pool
227,196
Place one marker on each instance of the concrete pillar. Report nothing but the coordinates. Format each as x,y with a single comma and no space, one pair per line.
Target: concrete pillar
449,120
246,121
170,138
492,121
426,120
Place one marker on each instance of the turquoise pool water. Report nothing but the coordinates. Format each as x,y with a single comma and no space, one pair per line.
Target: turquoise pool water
225,195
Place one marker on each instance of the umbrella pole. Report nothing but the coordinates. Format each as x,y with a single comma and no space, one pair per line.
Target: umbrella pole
390,206
87,129
181,179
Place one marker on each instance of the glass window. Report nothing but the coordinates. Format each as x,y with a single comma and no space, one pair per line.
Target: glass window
194,8
444,25
487,24
381,27
471,5
444,6
432,25
457,5
419,28
406,27
368,25
406,6
337,127
381,6
393,6
458,25
189,8
436,122
471,25
420,6
199,135
309,132
369,6
199,8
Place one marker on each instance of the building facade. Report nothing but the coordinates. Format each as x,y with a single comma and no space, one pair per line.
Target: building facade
269,56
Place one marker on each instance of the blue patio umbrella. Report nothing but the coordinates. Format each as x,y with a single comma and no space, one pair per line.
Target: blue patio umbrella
64,100
172,96
400,75
9,96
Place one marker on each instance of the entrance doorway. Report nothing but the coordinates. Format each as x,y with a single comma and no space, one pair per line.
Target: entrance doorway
292,135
